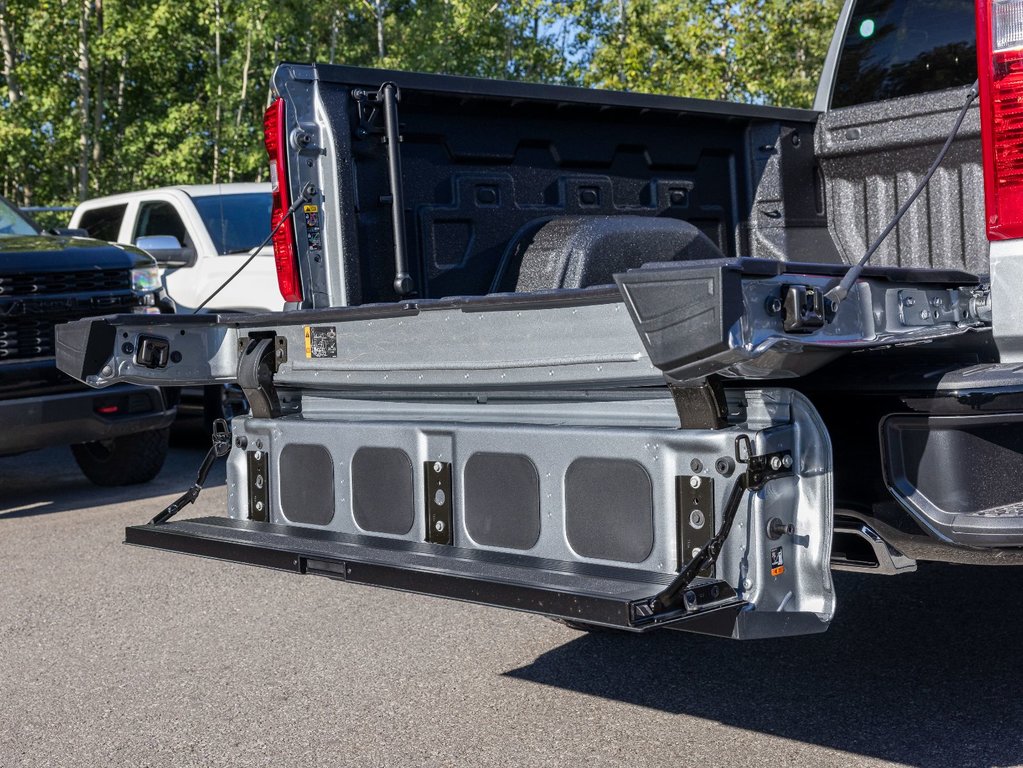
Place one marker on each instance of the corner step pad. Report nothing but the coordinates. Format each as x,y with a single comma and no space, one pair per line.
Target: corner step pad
580,592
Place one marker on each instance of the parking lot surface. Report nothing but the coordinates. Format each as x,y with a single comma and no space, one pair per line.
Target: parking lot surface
112,655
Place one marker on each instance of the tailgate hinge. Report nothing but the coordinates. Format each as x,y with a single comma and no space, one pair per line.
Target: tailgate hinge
256,368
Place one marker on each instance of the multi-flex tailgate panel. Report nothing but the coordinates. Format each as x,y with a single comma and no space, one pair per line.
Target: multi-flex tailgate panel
740,318
591,594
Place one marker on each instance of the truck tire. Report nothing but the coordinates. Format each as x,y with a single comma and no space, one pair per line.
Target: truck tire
125,460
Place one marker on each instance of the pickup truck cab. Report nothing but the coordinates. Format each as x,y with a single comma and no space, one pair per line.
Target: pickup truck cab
589,354
200,235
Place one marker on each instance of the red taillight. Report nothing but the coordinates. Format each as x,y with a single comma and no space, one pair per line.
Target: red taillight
284,239
1000,75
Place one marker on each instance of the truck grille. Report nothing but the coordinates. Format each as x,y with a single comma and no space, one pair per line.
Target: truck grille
65,282
32,304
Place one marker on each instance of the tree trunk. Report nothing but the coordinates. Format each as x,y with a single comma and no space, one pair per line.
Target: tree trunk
84,96
622,34
97,99
379,10
122,84
334,23
7,45
242,96
220,93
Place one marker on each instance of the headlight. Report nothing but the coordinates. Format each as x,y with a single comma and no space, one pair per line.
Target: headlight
145,279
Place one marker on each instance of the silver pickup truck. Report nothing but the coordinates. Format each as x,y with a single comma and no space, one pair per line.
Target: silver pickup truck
600,356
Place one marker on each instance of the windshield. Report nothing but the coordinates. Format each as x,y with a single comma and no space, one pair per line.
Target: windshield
12,222
236,223
902,47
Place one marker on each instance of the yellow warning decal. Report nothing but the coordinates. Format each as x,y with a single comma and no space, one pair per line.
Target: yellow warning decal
308,340
310,208
778,571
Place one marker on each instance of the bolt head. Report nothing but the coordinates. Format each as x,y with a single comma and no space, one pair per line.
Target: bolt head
258,455
437,466
786,461
747,584
697,518
776,463
925,314
909,301
439,526
695,482
259,506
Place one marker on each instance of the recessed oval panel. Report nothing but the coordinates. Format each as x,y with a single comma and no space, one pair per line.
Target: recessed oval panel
609,509
502,500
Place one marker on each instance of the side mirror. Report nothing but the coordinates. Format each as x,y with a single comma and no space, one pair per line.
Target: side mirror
167,250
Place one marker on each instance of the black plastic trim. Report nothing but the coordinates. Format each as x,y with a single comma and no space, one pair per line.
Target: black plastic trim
473,576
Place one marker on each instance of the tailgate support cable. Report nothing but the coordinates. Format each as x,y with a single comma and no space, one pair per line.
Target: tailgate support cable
307,194
221,447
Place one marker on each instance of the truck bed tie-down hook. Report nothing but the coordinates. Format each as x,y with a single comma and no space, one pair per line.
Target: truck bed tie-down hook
221,447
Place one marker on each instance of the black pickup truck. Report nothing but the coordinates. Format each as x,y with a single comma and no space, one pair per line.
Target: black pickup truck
118,436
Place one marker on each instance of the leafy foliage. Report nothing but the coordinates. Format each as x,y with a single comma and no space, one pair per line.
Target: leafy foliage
102,96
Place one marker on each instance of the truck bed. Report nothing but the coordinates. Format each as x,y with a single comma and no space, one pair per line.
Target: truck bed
485,163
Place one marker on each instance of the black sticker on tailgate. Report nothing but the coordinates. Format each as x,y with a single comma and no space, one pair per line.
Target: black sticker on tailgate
320,341
312,227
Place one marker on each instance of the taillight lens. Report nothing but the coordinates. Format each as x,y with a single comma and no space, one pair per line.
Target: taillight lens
1000,75
284,239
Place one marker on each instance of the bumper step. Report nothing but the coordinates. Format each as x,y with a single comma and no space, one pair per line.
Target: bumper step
583,593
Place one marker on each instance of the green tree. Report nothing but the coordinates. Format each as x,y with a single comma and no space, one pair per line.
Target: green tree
766,51
100,96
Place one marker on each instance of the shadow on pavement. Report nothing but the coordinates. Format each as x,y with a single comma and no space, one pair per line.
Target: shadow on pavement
49,481
922,669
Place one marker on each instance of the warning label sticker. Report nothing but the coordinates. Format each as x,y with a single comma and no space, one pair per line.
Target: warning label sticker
312,227
320,341
777,562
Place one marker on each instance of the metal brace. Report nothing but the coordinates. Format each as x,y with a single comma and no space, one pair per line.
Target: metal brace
221,447
386,100
759,471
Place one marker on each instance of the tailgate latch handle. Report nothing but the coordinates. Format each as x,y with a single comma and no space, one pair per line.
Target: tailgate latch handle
221,447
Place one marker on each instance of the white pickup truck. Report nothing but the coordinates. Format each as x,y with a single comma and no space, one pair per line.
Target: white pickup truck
200,235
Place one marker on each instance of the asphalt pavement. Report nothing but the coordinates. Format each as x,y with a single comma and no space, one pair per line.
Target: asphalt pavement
113,655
